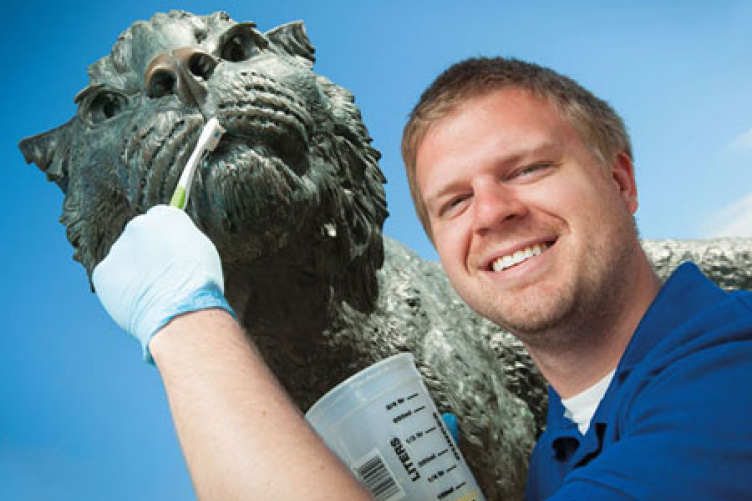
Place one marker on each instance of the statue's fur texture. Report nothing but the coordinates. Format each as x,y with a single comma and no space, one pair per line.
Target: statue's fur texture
293,199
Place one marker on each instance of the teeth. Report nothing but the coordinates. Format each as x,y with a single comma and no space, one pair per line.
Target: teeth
505,262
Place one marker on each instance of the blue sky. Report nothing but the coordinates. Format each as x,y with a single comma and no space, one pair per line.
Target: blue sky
83,418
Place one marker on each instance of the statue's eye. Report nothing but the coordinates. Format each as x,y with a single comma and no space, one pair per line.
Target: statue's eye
105,105
240,43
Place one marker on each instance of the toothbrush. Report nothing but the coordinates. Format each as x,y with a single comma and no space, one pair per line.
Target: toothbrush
207,141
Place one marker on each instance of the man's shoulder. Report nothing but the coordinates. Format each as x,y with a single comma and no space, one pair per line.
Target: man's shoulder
703,360
697,339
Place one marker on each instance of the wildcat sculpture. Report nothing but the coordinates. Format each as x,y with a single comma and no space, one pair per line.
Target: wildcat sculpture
293,199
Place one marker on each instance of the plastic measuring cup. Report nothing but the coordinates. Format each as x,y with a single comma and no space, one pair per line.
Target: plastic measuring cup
383,424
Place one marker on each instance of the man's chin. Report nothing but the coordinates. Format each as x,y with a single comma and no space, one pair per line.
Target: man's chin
533,317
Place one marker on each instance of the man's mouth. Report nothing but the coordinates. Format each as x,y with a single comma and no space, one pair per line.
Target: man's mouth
505,262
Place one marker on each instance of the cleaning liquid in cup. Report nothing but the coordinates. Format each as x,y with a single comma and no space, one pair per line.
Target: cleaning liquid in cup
382,423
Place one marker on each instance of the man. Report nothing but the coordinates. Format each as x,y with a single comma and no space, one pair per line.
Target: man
524,182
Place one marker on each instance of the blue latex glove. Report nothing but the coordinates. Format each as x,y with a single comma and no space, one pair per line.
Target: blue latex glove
450,420
160,267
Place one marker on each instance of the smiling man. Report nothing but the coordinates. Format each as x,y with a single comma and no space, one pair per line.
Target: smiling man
524,182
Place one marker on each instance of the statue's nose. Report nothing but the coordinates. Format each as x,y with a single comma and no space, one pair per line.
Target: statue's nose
182,72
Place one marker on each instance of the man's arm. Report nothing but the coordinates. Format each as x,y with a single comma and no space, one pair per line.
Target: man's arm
241,436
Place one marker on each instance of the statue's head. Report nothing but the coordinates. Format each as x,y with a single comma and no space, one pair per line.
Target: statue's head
293,178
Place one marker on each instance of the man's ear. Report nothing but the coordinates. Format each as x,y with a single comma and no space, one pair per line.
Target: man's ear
624,179
292,38
50,151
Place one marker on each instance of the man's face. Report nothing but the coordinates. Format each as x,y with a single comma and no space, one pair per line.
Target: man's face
531,229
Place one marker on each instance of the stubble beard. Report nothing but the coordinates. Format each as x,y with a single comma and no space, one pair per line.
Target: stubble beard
574,312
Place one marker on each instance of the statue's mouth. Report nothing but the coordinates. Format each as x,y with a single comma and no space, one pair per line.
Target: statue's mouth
268,118
264,138
258,172
268,132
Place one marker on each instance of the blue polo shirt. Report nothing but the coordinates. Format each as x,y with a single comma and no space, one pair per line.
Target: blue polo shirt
676,421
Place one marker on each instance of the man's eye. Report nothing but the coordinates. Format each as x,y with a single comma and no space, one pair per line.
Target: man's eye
532,169
456,201
453,204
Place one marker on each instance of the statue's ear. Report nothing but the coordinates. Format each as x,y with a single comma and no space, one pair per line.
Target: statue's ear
50,151
292,38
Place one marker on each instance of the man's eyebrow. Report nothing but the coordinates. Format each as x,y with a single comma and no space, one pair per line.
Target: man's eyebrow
442,192
539,148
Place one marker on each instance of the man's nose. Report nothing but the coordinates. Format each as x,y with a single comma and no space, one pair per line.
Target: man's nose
182,72
495,205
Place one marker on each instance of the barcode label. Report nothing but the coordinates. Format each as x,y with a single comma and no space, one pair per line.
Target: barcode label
375,475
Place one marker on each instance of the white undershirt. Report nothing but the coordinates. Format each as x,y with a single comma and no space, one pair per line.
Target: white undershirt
581,407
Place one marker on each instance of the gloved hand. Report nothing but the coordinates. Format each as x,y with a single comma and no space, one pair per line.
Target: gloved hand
160,267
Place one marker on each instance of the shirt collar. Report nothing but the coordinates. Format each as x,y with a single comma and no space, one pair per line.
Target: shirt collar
686,292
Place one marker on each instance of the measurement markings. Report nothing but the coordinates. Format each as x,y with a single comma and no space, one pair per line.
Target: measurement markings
422,407
451,468
402,416
414,437
431,429
426,460
442,452
445,493
413,396
435,476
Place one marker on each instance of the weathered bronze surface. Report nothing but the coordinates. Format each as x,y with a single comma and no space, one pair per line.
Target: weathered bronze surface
293,199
